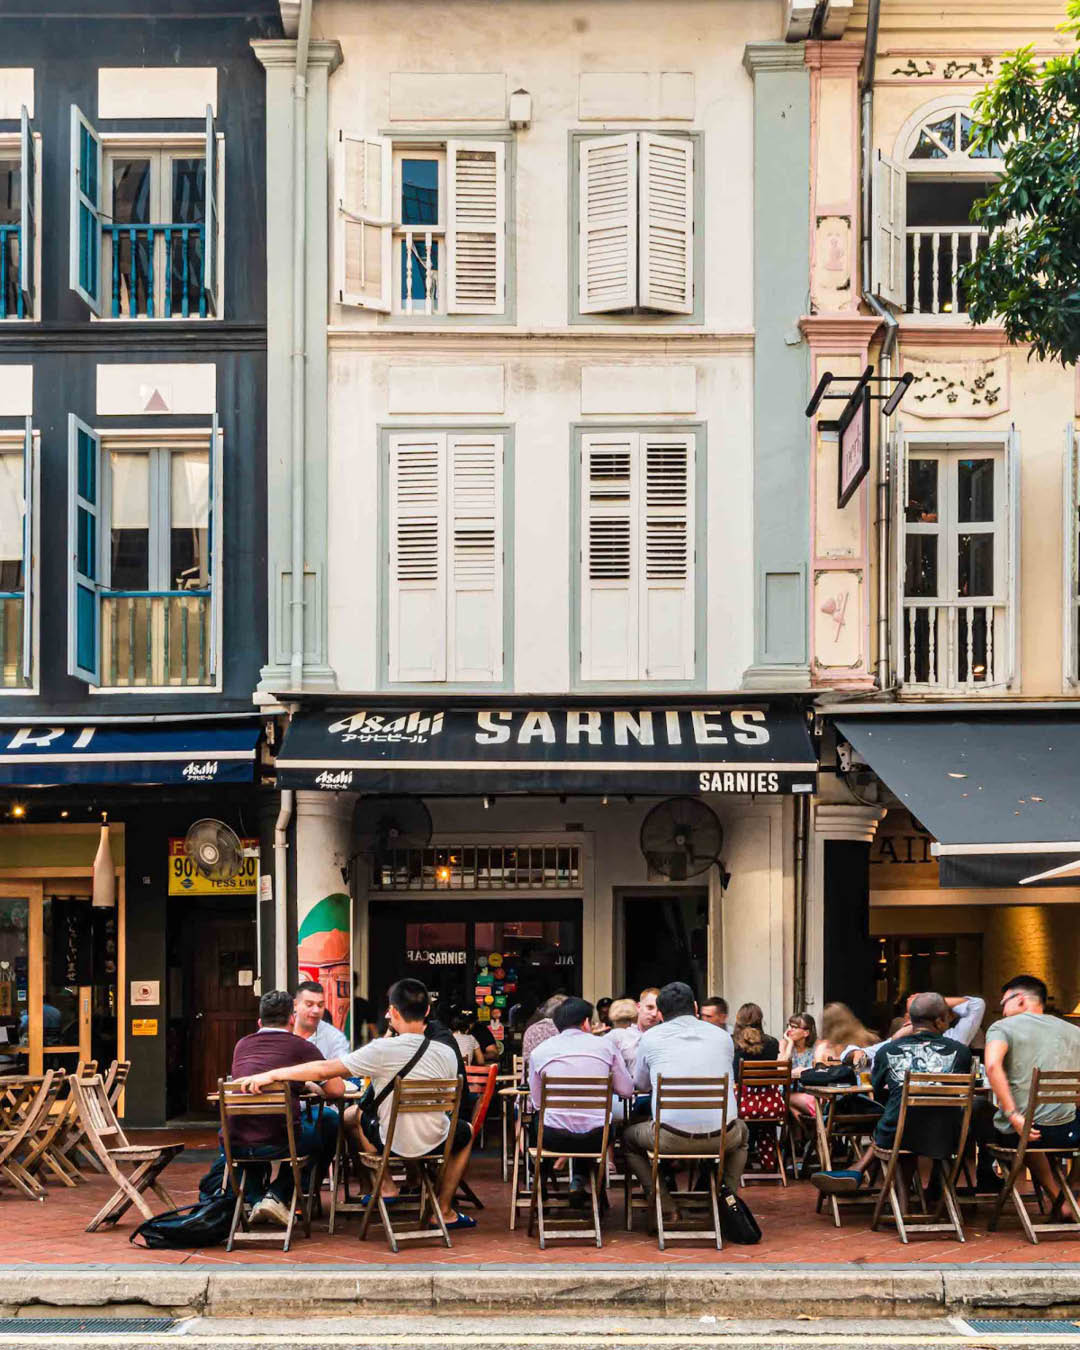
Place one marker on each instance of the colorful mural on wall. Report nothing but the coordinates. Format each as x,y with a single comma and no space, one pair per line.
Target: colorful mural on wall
323,953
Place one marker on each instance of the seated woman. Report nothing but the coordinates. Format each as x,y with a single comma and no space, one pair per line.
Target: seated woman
797,1046
843,1038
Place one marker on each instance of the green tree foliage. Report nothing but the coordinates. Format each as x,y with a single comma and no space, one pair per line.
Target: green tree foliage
1028,278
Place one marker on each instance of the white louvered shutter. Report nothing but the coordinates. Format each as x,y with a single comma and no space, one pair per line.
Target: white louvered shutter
666,621
476,226
608,224
902,671
417,636
1012,558
1070,551
475,551
666,253
888,264
362,244
609,561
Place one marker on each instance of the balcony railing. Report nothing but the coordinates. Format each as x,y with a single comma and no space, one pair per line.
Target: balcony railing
418,276
935,259
11,641
155,638
955,646
139,252
11,295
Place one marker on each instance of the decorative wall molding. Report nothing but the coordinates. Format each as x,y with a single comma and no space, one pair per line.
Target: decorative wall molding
839,332
504,342
965,387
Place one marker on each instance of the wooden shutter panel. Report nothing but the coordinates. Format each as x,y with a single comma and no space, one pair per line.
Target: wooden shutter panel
1070,562
476,226
210,244
666,255
27,198
609,561
475,553
607,226
417,588
84,239
666,621
888,265
362,244
84,551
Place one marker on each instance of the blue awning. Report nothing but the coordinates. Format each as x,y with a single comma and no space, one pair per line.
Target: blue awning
40,755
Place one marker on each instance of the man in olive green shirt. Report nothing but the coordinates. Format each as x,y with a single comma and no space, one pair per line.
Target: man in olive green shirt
1026,1038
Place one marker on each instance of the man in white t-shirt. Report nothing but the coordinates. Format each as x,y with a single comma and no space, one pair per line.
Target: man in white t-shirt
408,1053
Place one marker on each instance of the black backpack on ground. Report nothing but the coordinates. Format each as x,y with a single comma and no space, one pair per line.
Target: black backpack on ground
737,1222
205,1224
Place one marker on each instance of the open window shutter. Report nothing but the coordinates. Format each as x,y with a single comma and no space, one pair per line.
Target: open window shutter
888,263
609,556
85,238
475,556
29,543
666,600
210,243
27,195
417,556
84,551
899,498
362,246
216,533
1012,557
1070,561
476,226
607,223
666,254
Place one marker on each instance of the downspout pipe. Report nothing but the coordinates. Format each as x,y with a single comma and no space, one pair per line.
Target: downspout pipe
281,889
882,666
299,349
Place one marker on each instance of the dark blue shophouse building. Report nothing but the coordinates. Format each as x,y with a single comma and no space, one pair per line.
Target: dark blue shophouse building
132,530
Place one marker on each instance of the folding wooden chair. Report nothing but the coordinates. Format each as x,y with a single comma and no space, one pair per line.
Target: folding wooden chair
481,1080
931,1092
45,1151
414,1096
233,1104
111,1148
843,1117
549,1211
758,1077
17,1142
1048,1087
115,1079
509,1115
690,1094
71,1142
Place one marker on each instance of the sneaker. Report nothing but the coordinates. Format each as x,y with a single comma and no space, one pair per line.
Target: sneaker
838,1182
270,1210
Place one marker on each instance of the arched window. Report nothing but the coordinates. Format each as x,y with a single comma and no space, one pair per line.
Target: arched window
923,234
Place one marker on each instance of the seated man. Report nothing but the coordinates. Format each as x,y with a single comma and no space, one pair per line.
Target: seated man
406,1053
1027,1037
715,1010
312,1024
681,1046
575,1053
928,1133
272,1047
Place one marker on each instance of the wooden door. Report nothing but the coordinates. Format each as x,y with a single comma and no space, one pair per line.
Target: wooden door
223,1004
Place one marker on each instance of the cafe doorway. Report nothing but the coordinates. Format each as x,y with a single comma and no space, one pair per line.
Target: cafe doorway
665,938
494,960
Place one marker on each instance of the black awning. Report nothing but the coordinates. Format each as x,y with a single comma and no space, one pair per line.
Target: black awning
1000,795
744,748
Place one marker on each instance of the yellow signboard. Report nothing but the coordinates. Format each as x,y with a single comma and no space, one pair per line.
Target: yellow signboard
144,1026
185,878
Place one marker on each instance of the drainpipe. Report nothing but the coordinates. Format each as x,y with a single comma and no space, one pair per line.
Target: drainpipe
802,820
281,886
882,665
299,352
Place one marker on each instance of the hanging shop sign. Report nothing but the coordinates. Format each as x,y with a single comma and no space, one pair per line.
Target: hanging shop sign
854,462
186,879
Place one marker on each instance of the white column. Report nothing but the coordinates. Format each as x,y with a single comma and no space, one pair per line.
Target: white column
829,821
323,936
751,939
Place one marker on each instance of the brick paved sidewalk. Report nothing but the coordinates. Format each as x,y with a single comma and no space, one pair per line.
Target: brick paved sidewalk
52,1232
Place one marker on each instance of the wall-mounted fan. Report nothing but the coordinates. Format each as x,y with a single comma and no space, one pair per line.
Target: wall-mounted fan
214,849
383,825
681,837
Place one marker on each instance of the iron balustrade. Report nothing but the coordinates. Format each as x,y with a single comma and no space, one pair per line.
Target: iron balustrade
9,271
142,263
155,638
11,640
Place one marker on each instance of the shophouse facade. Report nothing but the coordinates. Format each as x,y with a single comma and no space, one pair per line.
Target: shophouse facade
132,531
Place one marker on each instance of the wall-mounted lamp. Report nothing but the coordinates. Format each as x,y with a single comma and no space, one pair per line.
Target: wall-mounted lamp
520,109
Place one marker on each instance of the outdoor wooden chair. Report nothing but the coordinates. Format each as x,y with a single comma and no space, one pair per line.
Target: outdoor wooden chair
521,1175
768,1076
1048,1087
481,1080
844,1117
18,1140
548,1209
71,1148
278,1101
413,1096
111,1148
510,1115
697,1206
932,1092
46,1152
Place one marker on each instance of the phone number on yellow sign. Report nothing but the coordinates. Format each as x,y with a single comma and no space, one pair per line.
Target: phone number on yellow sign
186,879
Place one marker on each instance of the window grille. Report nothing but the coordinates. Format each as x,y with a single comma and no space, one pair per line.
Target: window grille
480,867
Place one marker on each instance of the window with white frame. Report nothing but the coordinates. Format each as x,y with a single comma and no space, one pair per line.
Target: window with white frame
1071,559
638,552
445,556
923,232
145,223
19,193
16,557
421,227
635,224
145,551
957,566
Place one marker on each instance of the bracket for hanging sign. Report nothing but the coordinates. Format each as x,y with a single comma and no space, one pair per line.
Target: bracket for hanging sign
853,424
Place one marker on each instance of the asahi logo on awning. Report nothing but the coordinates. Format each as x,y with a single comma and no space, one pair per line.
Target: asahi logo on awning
415,728
200,772
334,782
